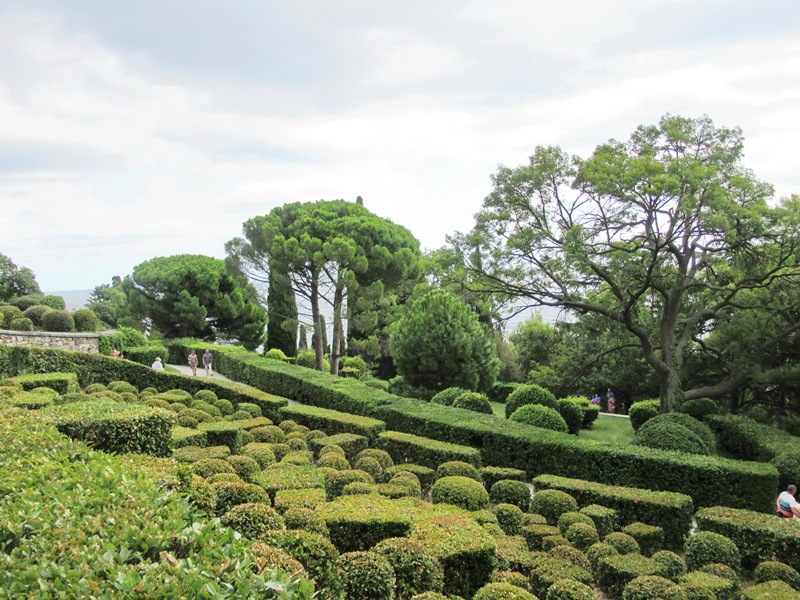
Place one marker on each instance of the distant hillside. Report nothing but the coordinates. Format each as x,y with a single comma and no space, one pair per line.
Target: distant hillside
74,299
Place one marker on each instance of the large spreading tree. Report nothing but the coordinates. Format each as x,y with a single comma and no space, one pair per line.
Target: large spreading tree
665,234
329,250
16,281
192,295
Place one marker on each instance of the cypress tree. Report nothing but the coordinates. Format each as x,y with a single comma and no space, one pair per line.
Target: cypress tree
282,310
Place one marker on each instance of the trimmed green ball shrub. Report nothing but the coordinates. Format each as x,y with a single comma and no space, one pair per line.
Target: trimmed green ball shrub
614,573
334,460
371,466
500,391
511,491
572,554
10,313
21,324
772,571
653,587
85,320
699,428
383,457
699,408
28,300
36,313
788,465
502,591
457,467
672,566
649,537
622,543
448,395
253,519
491,475
334,484
416,569
463,492
187,421
551,504
642,411
510,518
253,409
246,467
232,477
537,415
269,434
367,576
552,541
56,302
262,453
667,435
582,535
475,402
529,394
300,517
207,467
597,551
570,589
707,547
316,554
231,494
570,518
572,415
604,518
58,320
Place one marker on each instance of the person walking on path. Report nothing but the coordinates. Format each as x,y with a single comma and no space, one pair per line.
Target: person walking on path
612,401
193,362
207,358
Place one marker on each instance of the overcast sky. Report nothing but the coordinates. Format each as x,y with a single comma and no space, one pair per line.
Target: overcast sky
136,129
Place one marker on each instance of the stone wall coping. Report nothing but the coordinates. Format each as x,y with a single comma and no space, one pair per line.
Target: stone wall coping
56,334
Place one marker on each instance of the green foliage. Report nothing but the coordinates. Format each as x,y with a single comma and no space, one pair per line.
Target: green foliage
699,584
672,566
246,467
665,433
529,394
582,535
36,313
652,587
615,572
511,491
772,570
448,395
502,591
85,320
649,537
9,312
58,320
358,522
16,281
642,411
595,552
706,547
771,590
537,415
500,391
548,571
194,296
424,451
572,414
230,494
28,300
604,518
622,543
551,504
21,324
333,421
570,589
315,553
457,467
788,465
253,520
440,343
510,518
281,311
54,302
460,491
367,576
700,407
416,569
475,402
743,438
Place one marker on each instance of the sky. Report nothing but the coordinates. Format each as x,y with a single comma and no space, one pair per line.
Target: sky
130,130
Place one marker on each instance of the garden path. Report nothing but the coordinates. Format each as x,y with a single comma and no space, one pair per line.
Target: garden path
201,372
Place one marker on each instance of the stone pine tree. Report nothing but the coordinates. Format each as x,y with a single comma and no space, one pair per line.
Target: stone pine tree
664,234
440,343
282,311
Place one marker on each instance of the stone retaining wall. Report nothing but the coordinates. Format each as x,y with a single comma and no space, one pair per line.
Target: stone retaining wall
81,342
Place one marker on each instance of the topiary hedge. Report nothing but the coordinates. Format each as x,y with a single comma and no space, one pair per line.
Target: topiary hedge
333,421
475,402
367,576
406,447
416,569
460,491
59,321
537,415
669,435
642,411
707,547
529,394
358,522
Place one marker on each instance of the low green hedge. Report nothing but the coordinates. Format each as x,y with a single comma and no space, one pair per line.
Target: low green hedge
617,571
351,443
671,511
507,444
113,427
63,383
278,477
333,421
758,536
771,590
406,447
223,433
747,439
185,436
358,522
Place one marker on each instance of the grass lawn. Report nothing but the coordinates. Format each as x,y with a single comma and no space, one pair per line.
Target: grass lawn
616,430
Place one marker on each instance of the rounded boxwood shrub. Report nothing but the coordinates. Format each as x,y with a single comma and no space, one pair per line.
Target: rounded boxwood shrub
642,411
10,313
537,415
448,395
301,517
724,572
529,394
253,519
416,570
334,484
409,481
206,467
502,591
333,448
511,491
707,547
206,396
85,320
699,428
233,477
207,408
667,435
671,565
371,466
653,587
56,302
510,518
58,320
572,415
358,487
367,576
187,421
552,541
316,553
551,504
699,408
253,409
788,465
570,589
94,387
280,450
773,570
268,557
201,416
334,460
460,491
246,467
288,425
21,324
740,437
457,467
122,386
383,457
230,494
500,391
268,434
597,551
25,302
491,475
570,518
622,543
297,444
572,554
261,452
475,402
582,535
224,406
239,415
295,435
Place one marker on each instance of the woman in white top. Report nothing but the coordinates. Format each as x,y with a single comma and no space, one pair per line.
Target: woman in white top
157,365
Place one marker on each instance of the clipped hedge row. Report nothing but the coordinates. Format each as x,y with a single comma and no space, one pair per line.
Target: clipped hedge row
409,448
758,536
333,421
96,368
63,383
305,385
538,451
114,427
671,511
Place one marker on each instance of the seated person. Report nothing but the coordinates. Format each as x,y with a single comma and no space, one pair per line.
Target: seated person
786,503
157,365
